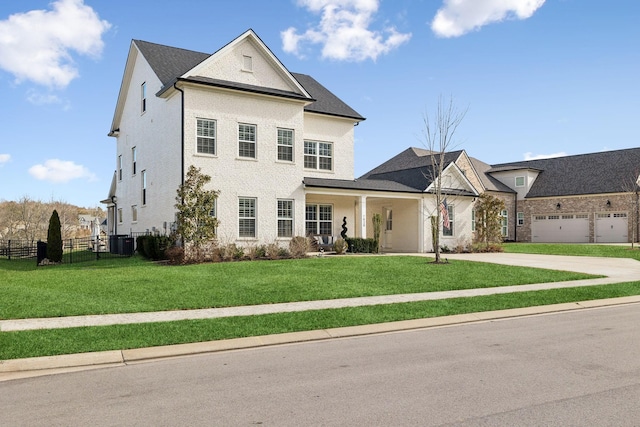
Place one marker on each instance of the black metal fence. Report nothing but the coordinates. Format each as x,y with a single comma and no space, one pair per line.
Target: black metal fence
80,249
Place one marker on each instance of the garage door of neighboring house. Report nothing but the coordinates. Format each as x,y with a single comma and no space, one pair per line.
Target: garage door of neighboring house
611,227
568,228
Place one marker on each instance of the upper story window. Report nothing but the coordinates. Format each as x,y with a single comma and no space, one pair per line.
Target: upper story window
247,63
285,145
206,136
120,167
134,158
143,97
318,155
134,213
144,187
520,181
247,141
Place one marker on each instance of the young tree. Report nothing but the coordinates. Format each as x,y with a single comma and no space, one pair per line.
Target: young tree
196,225
54,238
488,220
439,133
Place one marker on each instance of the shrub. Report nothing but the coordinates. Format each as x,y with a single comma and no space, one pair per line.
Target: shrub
175,255
340,246
153,247
360,245
299,246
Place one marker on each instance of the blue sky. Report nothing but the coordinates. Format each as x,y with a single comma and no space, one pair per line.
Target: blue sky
539,78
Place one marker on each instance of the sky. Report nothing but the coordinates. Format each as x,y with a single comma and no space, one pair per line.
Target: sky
537,78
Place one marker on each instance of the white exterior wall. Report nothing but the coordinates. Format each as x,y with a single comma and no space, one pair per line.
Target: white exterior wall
508,178
264,178
156,136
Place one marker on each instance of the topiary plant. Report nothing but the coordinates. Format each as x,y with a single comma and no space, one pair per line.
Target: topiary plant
54,238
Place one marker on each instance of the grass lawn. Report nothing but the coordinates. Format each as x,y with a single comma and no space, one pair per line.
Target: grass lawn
609,251
15,345
134,285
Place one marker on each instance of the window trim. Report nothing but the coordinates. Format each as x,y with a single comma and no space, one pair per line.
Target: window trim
143,177
134,213
520,219
143,98
473,220
317,156
254,142
450,232
280,145
289,219
134,159
318,227
524,181
254,218
211,139
120,167
504,223
119,213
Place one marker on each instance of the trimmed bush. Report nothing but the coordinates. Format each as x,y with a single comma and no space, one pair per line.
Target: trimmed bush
54,238
360,245
153,247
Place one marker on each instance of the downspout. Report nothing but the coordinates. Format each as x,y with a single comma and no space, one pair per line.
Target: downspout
515,222
181,133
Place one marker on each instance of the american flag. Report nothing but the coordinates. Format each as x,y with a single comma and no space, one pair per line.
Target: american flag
444,211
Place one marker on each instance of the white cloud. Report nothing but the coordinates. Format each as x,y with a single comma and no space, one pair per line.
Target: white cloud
60,171
458,17
530,156
37,45
344,31
4,158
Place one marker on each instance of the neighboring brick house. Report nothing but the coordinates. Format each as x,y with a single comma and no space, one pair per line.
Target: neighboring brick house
280,149
587,198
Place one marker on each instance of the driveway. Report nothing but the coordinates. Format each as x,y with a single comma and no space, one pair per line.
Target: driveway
617,270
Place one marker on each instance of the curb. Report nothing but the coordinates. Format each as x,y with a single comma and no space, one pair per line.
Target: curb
48,365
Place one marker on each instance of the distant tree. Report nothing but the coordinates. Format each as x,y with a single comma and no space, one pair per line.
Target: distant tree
54,238
488,220
439,137
196,225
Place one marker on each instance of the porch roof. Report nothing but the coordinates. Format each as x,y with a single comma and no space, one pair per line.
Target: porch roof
373,185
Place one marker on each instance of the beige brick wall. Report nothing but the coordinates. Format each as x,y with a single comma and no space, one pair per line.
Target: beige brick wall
591,205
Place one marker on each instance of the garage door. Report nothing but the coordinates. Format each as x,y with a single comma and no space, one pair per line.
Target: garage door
570,228
611,227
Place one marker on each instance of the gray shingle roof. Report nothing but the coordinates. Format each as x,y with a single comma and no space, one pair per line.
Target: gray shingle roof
412,168
490,183
595,173
169,63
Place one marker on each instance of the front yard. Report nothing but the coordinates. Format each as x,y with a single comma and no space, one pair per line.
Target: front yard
134,285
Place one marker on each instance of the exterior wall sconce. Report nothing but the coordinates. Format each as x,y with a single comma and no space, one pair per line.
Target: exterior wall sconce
608,203
558,206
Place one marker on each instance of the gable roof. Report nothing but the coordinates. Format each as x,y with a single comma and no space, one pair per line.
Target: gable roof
411,171
171,64
489,182
594,173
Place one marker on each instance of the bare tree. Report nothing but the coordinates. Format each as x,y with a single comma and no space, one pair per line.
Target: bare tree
439,132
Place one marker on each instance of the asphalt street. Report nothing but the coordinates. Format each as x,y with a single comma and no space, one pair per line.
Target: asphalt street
574,368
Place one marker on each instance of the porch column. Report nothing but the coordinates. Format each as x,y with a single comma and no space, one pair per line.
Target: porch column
421,220
363,216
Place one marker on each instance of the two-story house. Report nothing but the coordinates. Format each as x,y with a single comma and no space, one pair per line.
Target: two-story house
279,148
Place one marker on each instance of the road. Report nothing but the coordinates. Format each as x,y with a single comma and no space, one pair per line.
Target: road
567,369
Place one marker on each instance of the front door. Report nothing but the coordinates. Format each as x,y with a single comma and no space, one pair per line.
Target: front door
387,239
